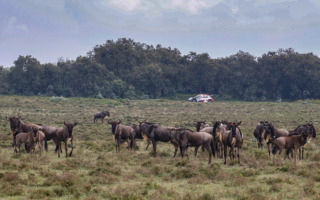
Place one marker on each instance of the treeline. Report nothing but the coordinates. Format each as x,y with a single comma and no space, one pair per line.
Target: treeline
129,69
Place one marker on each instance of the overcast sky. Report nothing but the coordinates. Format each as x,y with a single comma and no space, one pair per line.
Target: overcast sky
51,29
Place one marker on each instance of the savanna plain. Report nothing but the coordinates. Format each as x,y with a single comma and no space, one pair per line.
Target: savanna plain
95,171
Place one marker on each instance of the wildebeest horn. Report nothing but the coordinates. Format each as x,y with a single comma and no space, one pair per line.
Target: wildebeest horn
75,123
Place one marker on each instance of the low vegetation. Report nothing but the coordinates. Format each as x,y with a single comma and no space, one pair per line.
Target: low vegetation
95,171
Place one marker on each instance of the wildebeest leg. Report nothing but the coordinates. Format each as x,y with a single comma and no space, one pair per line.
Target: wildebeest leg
196,150
72,147
202,148
133,144
66,147
176,147
269,151
186,152
154,144
58,147
221,149
302,152
19,147
148,143
207,147
295,156
225,153
238,154
40,146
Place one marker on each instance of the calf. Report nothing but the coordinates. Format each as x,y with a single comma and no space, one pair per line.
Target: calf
289,142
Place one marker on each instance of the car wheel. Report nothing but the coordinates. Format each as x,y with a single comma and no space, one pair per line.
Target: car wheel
194,100
209,100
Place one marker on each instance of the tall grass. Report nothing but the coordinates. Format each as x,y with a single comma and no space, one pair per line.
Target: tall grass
95,171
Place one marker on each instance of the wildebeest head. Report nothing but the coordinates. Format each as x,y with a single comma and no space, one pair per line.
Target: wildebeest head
233,126
215,126
15,123
105,113
198,124
35,132
312,129
69,127
305,136
114,124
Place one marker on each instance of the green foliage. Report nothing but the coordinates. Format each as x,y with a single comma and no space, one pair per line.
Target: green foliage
129,69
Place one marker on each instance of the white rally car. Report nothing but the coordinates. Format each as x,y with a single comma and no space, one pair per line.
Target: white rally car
201,98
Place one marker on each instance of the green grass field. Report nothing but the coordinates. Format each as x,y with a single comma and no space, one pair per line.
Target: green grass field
95,171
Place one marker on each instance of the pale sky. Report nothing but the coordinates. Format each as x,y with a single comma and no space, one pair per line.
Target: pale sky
51,29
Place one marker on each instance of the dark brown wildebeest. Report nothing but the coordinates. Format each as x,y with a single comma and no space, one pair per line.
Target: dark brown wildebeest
18,126
309,129
64,134
144,128
289,142
264,131
232,138
187,138
50,134
102,114
124,133
158,133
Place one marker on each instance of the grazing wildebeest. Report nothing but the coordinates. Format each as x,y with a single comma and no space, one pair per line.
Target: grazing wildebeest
289,142
187,138
124,133
158,133
102,114
232,138
64,134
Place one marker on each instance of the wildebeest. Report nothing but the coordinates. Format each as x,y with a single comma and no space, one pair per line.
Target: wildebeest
187,138
232,138
50,134
102,114
264,131
18,126
144,127
29,138
289,142
217,130
309,129
158,133
124,133
64,134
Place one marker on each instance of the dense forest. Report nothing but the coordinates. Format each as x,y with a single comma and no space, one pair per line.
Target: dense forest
129,69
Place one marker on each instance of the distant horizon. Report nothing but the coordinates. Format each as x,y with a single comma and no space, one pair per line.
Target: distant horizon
49,30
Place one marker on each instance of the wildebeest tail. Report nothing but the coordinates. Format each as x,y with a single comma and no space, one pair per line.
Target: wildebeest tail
212,148
45,144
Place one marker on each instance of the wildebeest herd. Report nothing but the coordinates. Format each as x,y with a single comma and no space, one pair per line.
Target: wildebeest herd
219,139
